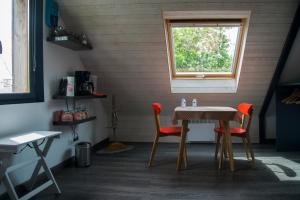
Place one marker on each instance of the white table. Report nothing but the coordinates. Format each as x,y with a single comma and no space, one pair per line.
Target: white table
14,144
223,114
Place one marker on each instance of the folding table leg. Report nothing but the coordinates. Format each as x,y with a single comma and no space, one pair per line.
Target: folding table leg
4,163
37,168
45,166
5,160
10,188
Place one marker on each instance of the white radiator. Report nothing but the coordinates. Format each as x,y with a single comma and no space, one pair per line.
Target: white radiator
201,131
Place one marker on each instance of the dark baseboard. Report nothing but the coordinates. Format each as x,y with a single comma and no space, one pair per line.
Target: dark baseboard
100,145
269,141
22,189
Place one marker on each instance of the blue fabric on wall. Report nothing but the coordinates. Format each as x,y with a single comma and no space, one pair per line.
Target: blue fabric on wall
51,15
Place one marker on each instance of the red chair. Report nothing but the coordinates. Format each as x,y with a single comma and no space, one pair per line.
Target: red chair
245,118
163,131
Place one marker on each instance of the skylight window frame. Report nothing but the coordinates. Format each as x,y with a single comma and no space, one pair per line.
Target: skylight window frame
210,22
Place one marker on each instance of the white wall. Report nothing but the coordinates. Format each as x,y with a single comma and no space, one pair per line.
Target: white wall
58,62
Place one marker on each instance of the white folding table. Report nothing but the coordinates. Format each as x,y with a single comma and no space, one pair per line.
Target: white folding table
14,144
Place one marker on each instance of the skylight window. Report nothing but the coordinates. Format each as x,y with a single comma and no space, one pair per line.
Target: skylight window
205,49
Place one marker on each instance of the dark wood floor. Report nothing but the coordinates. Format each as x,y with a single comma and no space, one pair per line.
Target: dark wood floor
125,176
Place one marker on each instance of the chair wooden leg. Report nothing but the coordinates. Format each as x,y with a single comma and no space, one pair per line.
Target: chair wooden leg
225,153
217,146
228,144
245,142
251,150
153,150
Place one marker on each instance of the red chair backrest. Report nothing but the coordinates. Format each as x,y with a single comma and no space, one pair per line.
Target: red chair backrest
157,108
245,108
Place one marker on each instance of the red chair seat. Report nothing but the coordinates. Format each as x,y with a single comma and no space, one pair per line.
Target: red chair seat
233,131
170,130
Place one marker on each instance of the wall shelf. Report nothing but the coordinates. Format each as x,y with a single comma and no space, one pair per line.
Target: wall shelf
69,42
80,97
74,122
297,84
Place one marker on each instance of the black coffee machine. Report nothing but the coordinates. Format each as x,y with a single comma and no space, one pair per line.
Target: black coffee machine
83,86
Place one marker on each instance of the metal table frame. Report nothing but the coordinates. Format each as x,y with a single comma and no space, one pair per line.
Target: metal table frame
41,163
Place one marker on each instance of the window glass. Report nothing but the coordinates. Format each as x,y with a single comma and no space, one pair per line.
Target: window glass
14,48
205,49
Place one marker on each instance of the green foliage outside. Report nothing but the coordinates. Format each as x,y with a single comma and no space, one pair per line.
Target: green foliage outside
202,49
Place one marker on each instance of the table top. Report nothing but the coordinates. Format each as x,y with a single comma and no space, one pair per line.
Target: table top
205,109
12,143
204,112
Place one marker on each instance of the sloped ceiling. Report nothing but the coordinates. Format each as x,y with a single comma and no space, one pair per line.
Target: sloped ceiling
291,71
130,57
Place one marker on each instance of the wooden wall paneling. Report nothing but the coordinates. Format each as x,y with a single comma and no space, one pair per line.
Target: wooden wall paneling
130,57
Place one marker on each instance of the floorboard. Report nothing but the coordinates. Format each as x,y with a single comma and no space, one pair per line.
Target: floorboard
124,176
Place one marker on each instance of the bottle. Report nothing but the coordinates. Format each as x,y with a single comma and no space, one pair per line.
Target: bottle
183,102
194,103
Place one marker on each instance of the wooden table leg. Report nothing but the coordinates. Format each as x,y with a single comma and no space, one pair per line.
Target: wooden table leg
221,152
182,144
228,144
